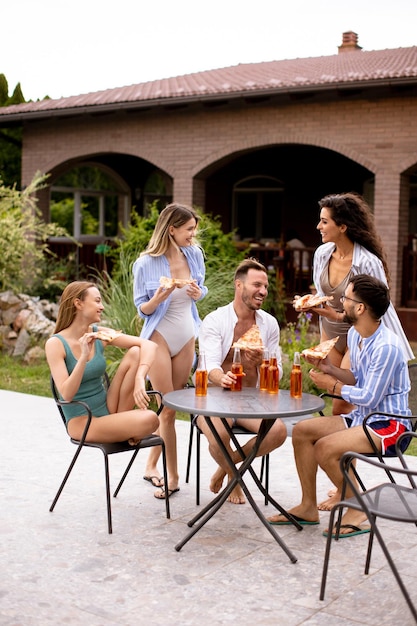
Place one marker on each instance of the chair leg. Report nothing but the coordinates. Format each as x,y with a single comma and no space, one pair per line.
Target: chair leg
327,552
266,478
122,480
165,475
190,448
395,571
197,466
107,477
69,470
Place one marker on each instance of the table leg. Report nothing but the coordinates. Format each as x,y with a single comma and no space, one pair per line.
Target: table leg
208,511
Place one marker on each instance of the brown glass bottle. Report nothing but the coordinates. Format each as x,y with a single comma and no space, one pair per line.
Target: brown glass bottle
296,381
273,374
263,371
237,368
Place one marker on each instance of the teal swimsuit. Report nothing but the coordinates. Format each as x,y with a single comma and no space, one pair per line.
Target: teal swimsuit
91,390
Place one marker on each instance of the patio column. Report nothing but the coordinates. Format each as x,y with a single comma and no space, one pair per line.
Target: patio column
391,214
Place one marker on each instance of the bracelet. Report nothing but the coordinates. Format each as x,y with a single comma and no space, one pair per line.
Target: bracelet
334,386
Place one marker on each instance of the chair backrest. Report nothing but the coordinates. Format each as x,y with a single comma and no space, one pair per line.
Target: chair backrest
57,399
412,396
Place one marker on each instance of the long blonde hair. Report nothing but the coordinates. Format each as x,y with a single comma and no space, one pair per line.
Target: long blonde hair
173,215
66,313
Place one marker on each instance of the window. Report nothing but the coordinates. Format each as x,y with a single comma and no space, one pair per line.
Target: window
87,203
257,208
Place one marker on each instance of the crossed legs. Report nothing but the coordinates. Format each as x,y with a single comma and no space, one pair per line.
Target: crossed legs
275,438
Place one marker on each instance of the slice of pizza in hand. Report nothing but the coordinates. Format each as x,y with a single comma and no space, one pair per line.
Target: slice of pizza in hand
108,334
322,350
309,300
167,282
251,339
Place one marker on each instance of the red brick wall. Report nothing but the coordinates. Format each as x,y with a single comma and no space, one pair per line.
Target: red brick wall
380,134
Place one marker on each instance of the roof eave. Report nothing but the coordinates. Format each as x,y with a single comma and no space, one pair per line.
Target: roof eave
180,101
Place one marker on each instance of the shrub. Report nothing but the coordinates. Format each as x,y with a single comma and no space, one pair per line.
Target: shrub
295,337
23,237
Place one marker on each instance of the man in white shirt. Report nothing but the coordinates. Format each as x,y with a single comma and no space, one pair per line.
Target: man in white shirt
219,330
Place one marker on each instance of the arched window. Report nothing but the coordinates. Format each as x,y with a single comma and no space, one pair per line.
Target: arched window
88,203
257,208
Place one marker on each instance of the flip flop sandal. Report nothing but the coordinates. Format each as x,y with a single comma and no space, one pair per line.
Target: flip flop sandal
161,494
356,530
155,481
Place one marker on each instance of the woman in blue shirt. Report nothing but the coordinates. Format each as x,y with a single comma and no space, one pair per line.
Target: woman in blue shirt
170,317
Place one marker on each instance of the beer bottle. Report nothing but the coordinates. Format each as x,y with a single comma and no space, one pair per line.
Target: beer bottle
201,376
273,374
237,368
263,371
296,384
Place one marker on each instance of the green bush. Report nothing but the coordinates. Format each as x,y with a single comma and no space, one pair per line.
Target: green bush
23,237
295,338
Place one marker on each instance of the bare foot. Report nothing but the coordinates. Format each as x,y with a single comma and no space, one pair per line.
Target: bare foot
236,496
328,504
133,441
306,514
217,479
331,492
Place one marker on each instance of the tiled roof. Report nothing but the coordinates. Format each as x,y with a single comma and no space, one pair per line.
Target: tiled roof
341,71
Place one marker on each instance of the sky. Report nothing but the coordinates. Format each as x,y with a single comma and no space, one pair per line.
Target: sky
58,49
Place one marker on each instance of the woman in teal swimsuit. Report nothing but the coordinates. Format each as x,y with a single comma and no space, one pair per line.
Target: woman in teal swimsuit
75,358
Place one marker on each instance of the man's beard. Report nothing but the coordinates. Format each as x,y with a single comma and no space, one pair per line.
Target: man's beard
349,319
249,302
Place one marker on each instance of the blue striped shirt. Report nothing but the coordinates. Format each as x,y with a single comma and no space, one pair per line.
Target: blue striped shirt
147,270
381,373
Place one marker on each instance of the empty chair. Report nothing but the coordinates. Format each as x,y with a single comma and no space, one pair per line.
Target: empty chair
389,500
107,449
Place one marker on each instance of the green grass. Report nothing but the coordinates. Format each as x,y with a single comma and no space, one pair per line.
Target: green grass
16,375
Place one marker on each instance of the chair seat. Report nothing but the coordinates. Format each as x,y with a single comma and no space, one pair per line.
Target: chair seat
122,446
391,501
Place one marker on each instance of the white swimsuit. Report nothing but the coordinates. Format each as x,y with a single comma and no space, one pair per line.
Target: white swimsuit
177,326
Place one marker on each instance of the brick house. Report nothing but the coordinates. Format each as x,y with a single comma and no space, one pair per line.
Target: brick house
257,144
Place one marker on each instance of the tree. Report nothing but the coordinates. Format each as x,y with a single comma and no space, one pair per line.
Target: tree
10,138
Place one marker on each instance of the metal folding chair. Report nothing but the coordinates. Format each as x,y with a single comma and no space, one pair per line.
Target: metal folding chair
108,449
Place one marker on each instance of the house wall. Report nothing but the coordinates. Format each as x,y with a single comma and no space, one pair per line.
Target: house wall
190,143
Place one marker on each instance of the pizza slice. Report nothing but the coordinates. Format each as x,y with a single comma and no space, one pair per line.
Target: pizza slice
251,339
322,350
108,334
167,282
309,300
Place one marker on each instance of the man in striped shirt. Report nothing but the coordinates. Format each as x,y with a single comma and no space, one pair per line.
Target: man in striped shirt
377,380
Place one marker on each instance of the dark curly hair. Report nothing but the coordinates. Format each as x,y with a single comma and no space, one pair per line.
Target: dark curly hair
351,210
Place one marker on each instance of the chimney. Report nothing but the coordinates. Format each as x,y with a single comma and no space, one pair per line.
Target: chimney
349,42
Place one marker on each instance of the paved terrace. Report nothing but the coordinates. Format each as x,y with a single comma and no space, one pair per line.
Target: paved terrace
63,567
